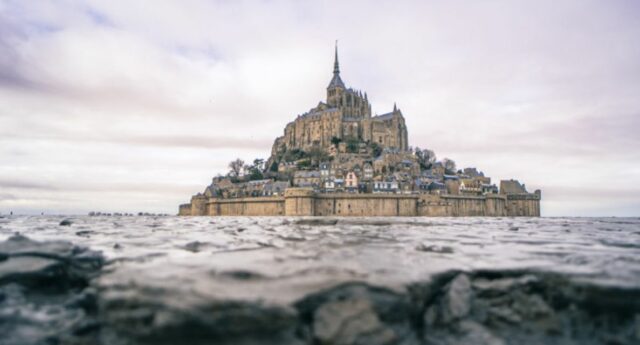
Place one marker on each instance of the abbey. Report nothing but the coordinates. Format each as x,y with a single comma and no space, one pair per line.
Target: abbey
345,115
339,160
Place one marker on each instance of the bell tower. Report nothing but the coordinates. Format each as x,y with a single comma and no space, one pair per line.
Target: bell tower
336,87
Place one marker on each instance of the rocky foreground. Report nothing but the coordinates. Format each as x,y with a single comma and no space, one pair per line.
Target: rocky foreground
56,292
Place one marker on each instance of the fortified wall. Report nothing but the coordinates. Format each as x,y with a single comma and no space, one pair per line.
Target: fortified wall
305,202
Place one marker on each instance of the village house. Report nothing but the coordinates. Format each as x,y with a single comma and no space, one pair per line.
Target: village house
326,171
329,186
351,182
275,188
470,186
367,172
307,178
338,185
388,186
285,167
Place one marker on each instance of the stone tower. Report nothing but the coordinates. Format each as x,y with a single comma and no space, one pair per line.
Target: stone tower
335,90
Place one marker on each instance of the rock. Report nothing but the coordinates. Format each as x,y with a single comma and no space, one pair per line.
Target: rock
42,288
352,321
457,301
193,247
499,286
475,334
357,313
31,271
317,221
531,306
505,314
138,314
430,316
240,275
84,233
434,248
66,222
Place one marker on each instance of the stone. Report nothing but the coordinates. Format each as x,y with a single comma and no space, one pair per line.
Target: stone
317,221
499,286
193,247
531,306
42,292
31,271
430,316
504,313
434,248
84,233
350,322
66,222
457,301
474,333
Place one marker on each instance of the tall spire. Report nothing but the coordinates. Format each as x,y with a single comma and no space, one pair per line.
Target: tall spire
336,81
336,65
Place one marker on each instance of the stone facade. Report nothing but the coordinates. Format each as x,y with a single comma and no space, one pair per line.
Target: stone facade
306,202
345,114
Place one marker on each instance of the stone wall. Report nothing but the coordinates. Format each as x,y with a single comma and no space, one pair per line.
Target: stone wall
184,210
362,205
197,207
299,202
304,202
523,205
263,206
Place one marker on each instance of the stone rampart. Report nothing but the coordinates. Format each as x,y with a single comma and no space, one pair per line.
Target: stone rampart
365,205
305,202
264,206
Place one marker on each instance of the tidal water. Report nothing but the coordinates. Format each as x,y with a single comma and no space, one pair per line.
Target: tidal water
284,280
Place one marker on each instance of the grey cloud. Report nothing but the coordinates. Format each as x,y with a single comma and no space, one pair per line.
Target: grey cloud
8,197
517,85
25,184
216,142
159,141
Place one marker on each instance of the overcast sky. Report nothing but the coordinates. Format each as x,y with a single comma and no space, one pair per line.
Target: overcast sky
135,105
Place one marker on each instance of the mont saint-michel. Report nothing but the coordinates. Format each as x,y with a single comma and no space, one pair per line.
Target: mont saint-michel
338,159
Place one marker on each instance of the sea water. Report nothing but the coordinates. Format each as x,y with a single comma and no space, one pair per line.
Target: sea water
285,280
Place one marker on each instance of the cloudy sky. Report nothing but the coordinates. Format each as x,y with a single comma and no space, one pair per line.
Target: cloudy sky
134,105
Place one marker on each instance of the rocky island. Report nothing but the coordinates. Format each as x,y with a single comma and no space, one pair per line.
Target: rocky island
338,159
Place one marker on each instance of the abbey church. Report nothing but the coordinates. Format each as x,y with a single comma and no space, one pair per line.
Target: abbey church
345,115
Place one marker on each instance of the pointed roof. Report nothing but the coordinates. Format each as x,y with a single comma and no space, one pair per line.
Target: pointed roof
336,81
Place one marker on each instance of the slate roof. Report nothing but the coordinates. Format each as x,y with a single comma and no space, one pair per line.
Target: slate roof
306,173
387,116
336,81
511,187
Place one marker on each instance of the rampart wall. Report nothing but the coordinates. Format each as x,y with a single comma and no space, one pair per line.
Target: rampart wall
304,202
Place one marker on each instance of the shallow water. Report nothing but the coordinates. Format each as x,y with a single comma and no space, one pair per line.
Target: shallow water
170,267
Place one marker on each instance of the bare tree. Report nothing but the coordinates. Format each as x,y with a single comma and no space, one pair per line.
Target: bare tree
449,164
426,157
235,167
